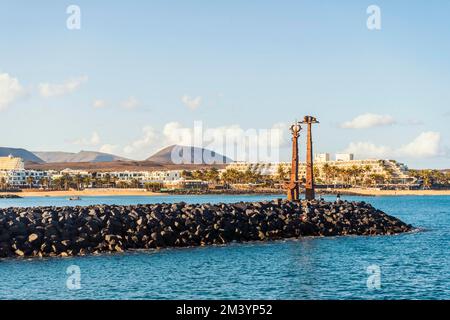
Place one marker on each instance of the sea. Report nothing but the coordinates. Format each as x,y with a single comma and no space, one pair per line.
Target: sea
415,265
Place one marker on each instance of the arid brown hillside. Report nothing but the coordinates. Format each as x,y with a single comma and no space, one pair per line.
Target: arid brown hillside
115,166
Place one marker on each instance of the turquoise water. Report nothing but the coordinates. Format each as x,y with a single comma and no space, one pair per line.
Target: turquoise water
412,266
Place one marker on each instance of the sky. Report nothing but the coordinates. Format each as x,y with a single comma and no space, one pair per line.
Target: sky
139,75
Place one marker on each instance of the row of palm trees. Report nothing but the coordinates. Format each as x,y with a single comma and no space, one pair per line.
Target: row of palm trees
354,175
334,175
229,176
78,182
327,174
432,178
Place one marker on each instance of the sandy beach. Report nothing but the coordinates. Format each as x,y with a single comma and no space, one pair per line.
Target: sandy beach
89,193
143,192
375,192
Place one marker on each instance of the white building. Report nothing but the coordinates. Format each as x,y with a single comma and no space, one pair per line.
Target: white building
163,176
124,176
18,178
344,157
13,173
69,172
398,172
322,157
11,163
144,176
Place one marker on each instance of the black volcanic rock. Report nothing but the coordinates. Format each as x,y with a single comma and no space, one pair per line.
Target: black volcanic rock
9,196
68,231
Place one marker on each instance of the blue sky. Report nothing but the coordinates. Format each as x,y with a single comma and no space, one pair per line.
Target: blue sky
135,69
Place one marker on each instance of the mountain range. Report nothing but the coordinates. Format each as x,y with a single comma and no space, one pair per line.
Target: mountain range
82,156
164,156
178,153
20,153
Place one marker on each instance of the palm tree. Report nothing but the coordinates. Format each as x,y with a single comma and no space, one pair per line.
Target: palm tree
230,176
30,181
346,174
86,181
107,180
186,174
316,172
44,182
135,183
335,173
153,186
3,183
365,172
281,173
356,173
197,175
56,183
377,178
78,180
66,180
212,175
326,169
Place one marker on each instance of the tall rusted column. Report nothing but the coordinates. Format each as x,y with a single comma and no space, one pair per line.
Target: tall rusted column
309,185
293,192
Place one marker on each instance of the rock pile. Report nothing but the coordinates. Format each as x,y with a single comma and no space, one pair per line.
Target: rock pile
9,196
67,231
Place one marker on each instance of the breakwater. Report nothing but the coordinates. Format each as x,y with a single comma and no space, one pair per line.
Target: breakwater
67,231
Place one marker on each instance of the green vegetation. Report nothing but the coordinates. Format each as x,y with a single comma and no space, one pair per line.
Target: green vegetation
154,186
354,176
432,178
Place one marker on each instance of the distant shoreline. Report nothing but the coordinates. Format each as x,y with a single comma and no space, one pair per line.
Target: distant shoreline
373,192
143,192
89,193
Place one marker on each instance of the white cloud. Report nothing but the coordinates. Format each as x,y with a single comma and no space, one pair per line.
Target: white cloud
94,140
10,90
230,140
148,139
369,120
130,103
368,149
48,90
426,145
108,148
191,102
99,103
174,133
415,122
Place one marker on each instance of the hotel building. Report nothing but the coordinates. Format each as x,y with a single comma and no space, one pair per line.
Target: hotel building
397,172
13,173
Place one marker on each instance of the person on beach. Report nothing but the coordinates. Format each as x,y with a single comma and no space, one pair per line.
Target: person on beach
338,197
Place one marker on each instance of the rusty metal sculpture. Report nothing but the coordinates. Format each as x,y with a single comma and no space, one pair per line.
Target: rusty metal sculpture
309,185
293,188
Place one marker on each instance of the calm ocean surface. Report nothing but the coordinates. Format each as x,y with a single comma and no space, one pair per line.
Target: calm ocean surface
413,266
